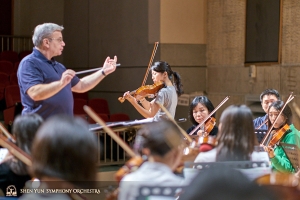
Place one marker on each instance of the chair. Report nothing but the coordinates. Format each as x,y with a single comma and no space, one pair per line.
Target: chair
78,108
6,67
84,96
118,117
11,56
103,116
13,105
4,81
22,54
13,79
16,66
99,105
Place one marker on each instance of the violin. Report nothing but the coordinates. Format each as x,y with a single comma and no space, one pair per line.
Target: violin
146,90
130,166
277,135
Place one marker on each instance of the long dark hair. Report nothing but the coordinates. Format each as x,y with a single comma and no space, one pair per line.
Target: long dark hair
205,102
287,112
236,138
161,67
24,130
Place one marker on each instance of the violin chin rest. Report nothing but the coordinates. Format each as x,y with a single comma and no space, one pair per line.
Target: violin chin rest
205,147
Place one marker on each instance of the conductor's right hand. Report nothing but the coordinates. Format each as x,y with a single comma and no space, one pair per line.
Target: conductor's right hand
67,76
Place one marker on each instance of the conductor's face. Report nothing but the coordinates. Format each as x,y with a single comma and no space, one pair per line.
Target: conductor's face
56,44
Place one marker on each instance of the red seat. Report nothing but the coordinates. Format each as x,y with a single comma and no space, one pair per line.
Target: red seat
84,96
22,54
118,117
99,105
103,116
78,108
6,67
12,99
16,66
13,79
11,56
4,81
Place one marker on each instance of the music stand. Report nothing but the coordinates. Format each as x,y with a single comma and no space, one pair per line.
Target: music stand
292,152
260,134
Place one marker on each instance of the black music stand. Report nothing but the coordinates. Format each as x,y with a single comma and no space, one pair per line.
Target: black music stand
260,134
292,152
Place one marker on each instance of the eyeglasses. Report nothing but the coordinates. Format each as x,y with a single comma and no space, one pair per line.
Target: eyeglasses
60,40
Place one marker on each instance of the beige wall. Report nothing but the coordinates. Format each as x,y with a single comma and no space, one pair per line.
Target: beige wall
227,74
183,22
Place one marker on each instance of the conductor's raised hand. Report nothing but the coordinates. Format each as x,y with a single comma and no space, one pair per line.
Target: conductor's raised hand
109,65
67,76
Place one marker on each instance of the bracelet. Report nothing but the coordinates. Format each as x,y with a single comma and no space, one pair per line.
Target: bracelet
103,73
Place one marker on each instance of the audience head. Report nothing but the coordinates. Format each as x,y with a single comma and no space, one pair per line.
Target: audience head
236,138
203,105
65,149
267,97
286,116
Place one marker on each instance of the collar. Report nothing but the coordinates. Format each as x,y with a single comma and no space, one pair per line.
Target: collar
40,56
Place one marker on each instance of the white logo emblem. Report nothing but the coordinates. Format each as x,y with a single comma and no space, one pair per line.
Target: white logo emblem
11,191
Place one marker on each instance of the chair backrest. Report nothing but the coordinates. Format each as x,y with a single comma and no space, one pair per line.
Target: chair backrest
16,66
11,56
13,79
78,106
4,79
99,105
84,96
6,66
119,117
12,95
103,116
22,54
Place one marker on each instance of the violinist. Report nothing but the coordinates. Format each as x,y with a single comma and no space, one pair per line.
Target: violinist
12,170
279,159
200,108
167,96
163,145
236,138
266,98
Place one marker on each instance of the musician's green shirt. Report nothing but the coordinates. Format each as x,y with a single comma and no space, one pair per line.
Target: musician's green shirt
281,162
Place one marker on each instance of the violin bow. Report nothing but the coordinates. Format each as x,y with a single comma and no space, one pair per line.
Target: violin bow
150,63
290,98
97,119
172,119
13,149
210,114
7,134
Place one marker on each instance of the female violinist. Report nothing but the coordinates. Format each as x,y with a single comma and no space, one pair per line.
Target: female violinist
162,143
167,96
200,108
12,170
236,138
289,134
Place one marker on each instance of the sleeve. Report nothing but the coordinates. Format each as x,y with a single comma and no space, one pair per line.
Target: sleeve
160,98
280,161
29,75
